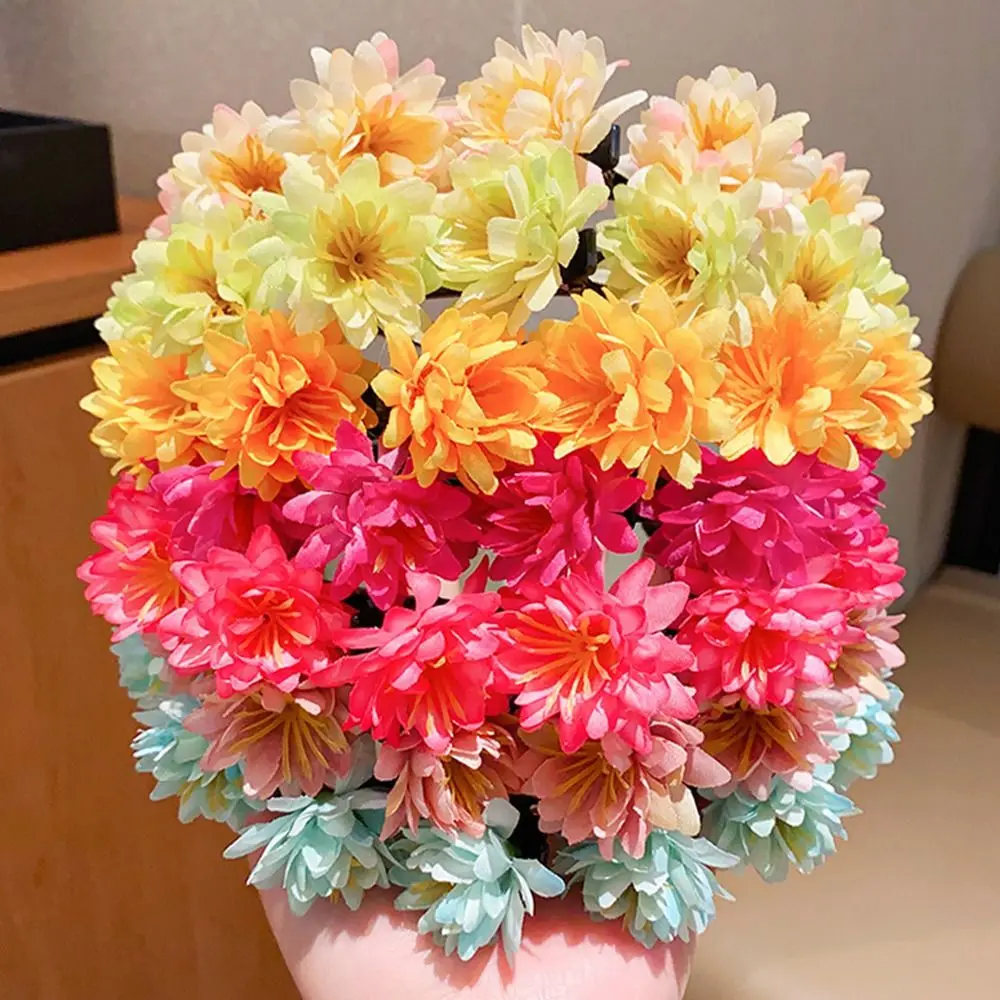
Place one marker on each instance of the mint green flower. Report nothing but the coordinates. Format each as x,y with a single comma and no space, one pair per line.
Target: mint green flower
173,755
140,672
789,827
865,739
321,848
511,221
667,893
471,889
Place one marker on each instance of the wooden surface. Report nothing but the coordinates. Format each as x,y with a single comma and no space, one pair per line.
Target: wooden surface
103,894
52,285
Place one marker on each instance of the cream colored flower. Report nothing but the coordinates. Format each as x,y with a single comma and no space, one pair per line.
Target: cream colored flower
355,252
842,189
549,91
511,221
361,105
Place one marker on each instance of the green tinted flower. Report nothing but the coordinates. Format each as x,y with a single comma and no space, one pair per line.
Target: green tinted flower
511,221
140,672
692,238
355,252
865,739
667,893
471,889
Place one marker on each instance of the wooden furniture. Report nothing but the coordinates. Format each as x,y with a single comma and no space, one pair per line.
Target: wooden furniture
104,894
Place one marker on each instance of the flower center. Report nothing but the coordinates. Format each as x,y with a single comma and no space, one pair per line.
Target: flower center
151,589
741,735
725,122
818,274
251,168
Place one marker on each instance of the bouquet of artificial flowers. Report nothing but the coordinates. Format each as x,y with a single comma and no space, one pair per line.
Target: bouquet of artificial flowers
355,558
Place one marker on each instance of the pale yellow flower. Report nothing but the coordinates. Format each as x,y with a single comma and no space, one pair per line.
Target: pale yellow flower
549,91
360,104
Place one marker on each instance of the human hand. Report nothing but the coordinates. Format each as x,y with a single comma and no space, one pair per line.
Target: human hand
376,954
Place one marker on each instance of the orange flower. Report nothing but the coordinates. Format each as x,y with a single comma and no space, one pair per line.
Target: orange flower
141,420
468,402
279,393
637,384
897,391
799,386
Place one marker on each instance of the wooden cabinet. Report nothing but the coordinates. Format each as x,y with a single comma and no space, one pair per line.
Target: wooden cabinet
104,894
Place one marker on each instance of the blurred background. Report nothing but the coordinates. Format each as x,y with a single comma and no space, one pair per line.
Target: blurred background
105,895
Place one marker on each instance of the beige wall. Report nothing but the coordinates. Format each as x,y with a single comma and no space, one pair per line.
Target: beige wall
910,88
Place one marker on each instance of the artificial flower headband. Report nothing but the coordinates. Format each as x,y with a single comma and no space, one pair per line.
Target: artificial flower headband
362,607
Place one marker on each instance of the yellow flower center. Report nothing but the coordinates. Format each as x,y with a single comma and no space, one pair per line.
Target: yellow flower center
667,247
740,733
726,121
817,273
357,254
251,168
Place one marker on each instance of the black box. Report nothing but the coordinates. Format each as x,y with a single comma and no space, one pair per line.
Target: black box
56,180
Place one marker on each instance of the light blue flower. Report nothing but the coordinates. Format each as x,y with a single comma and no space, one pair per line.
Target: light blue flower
172,755
471,889
789,827
140,672
667,893
321,848
865,739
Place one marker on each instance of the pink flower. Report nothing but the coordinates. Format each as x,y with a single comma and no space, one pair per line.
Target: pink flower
870,654
597,660
451,790
558,515
210,512
784,740
130,582
746,520
432,671
763,644
381,526
253,618
293,742
605,790
867,562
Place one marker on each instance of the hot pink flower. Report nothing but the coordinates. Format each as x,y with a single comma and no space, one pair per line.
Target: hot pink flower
293,742
130,582
597,660
381,525
746,520
867,563
450,791
253,618
558,515
432,671
605,790
784,740
210,512
763,644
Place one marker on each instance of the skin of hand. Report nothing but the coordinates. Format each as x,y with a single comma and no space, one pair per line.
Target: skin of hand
376,954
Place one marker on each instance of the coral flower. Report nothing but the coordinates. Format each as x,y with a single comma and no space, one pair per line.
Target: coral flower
279,393
360,104
430,671
292,742
548,91
467,403
597,661
253,618
450,790
746,520
798,386
142,422
725,122
897,392
380,524
558,515
130,582
784,740
635,384
764,644
605,790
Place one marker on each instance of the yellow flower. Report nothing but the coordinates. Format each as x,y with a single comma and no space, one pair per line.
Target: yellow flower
548,91
467,404
635,384
279,393
897,392
799,386
141,420
361,105
842,189
355,253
